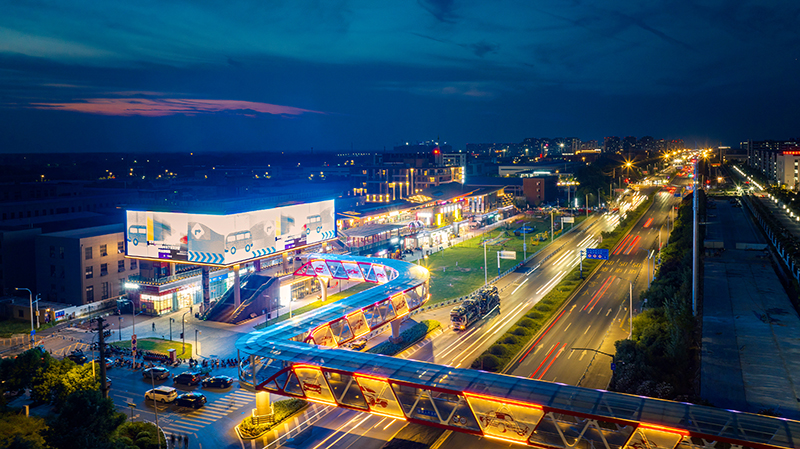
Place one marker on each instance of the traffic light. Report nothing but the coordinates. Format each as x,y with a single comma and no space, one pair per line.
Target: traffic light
181,334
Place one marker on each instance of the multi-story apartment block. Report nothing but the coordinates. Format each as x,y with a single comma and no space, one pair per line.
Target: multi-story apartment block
83,266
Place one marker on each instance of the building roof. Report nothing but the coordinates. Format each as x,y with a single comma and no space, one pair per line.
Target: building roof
89,232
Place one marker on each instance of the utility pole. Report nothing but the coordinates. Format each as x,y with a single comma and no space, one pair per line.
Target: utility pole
485,266
551,225
695,231
102,344
630,332
587,204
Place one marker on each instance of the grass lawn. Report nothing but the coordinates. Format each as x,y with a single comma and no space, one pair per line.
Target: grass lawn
332,298
156,345
8,328
458,270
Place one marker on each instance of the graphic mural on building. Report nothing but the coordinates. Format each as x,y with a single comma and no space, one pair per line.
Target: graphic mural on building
227,239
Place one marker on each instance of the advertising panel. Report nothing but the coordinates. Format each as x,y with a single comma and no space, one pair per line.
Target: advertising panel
227,239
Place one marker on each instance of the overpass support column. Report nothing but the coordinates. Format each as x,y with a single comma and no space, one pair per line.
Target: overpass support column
284,262
263,404
396,332
323,288
237,290
206,289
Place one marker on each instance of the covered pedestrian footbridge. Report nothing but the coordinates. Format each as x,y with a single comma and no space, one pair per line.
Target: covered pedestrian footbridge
301,358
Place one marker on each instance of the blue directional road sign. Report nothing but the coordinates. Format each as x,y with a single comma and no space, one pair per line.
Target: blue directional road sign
597,253
677,195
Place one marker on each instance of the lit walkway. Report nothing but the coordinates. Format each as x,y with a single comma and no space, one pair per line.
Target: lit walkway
508,408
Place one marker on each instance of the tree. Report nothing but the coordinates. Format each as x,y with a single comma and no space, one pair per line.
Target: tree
18,373
20,431
47,380
87,421
138,435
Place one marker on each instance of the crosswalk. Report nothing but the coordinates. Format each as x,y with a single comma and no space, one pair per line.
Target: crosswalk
61,352
210,413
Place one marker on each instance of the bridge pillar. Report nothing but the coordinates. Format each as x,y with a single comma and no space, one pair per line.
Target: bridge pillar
263,403
323,288
237,288
284,262
396,332
206,289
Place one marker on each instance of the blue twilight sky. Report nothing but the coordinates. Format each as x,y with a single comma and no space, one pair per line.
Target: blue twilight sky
289,75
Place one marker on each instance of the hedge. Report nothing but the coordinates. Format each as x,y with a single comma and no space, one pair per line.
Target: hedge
408,337
505,348
281,409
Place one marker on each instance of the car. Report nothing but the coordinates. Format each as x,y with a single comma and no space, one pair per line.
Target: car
161,394
108,382
217,382
193,400
78,358
156,373
187,378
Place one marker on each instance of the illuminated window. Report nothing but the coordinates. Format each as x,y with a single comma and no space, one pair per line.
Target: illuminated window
103,250
90,293
89,272
120,247
106,291
88,252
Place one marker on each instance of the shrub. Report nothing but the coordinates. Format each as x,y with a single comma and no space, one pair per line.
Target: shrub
487,362
498,350
520,331
282,410
407,338
526,322
535,314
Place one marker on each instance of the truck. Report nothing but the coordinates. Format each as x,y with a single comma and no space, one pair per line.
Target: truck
470,310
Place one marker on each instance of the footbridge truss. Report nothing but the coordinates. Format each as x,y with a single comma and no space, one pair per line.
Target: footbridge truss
300,358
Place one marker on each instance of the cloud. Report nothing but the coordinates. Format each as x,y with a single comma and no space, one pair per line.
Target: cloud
441,9
161,107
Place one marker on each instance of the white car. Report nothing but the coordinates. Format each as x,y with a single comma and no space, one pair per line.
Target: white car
161,394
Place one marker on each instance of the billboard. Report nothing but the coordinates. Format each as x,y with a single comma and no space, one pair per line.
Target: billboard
227,239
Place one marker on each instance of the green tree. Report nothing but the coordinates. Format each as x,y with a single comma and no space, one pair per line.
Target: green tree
20,431
47,380
87,421
18,373
137,435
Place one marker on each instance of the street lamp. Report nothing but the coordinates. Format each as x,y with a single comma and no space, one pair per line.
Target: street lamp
183,329
30,298
171,320
119,328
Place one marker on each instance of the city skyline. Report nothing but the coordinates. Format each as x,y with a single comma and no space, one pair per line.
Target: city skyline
355,75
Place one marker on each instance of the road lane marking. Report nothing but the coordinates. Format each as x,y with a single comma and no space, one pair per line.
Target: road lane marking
553,360
587,329
545,359
520,285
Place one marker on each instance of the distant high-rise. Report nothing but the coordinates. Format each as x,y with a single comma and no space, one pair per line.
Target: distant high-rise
612,144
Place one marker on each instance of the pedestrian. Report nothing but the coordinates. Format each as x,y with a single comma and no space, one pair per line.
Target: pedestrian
186,442
172,440
154,327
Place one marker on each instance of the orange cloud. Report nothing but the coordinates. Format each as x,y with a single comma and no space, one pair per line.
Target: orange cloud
161,107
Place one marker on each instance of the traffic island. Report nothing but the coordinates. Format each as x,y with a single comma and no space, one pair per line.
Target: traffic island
255,426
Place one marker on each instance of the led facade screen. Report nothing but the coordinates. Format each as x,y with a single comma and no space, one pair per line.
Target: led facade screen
227,239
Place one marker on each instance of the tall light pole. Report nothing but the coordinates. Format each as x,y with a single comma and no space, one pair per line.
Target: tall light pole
485,266
30,298
630,296
171,320
183,329
695,229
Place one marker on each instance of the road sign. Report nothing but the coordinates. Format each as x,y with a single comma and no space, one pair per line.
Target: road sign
33,332
567,219
507,255
597,253
613,366
677,195
133,342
